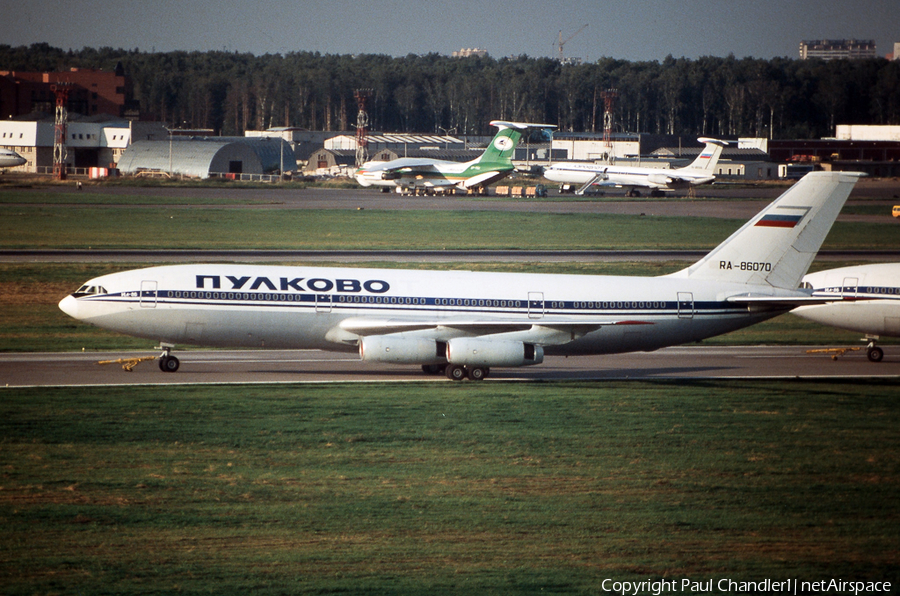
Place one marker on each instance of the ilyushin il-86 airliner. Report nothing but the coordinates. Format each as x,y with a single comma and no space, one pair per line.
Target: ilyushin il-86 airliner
866,298
701,171
463,323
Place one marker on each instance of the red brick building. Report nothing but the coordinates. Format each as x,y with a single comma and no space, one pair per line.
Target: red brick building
93,92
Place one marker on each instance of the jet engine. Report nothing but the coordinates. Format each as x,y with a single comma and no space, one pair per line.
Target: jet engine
402,350
660,179
475,351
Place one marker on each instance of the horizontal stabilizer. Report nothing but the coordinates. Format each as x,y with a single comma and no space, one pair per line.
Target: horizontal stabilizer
501,124
481,178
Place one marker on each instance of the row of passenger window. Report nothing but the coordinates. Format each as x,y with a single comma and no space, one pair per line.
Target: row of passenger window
352,299
861,290
238,296
608,305
357,299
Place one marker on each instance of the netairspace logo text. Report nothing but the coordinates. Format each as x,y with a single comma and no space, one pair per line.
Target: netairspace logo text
790,586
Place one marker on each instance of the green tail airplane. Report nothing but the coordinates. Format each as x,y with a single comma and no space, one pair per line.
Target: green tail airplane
409,174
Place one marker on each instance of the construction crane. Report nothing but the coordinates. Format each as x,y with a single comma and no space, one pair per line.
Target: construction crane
562,42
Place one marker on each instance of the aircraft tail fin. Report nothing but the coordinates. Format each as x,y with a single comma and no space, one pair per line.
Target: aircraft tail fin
709,157
778,245
502,147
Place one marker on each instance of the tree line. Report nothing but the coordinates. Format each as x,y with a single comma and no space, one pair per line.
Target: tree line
230,92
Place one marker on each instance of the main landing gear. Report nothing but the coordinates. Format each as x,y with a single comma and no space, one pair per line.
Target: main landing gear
873,352
457,372
167,362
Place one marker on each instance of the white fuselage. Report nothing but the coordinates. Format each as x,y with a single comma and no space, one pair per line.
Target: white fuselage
472,321
333,308
874,293
446,173
625,176
11,159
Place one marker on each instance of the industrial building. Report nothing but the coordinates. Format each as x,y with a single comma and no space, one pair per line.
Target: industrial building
837,49
205,157
98,141
337,154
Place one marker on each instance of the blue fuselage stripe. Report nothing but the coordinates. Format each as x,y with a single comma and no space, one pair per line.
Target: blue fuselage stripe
418,304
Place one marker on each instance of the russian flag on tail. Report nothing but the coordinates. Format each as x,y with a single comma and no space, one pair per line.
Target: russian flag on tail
779,221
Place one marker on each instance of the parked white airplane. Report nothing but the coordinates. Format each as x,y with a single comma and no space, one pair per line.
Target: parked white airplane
10,159
409,174
700,171
466,322
867,299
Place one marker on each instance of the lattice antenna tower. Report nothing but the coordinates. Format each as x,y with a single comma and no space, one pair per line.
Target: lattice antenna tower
61,90
362,126
609,105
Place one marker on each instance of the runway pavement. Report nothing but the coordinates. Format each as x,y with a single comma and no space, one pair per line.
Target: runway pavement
313,366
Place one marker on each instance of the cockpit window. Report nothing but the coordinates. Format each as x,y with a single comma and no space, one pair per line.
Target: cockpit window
89,290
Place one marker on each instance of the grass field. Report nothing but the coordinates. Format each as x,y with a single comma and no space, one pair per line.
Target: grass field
87,224
423,489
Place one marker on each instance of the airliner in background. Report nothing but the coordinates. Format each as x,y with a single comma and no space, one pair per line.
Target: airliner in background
462,322
10,159
631,178
412,174
866,298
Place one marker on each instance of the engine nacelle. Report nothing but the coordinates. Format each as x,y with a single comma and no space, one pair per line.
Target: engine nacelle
401,350
660,179
476,351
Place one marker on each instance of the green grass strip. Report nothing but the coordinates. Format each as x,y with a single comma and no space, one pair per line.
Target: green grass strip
160,227
429,488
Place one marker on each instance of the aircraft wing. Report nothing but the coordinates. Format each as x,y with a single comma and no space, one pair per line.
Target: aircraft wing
682,180
405,164
540,331
788,302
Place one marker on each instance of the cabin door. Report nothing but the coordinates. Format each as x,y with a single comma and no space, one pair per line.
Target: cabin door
535,305
148,293
323,302
685,305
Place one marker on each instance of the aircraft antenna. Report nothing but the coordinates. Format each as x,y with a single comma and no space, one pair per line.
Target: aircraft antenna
609,104
61,90
362,126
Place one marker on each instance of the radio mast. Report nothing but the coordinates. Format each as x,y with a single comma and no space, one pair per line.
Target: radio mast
362,126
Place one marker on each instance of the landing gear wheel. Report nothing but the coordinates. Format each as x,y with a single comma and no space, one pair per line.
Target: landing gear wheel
875,354
168,364
455,372
477,373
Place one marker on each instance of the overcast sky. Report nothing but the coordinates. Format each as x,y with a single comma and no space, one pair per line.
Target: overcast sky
627,29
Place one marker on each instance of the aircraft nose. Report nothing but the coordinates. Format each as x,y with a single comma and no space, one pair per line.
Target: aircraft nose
69,305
